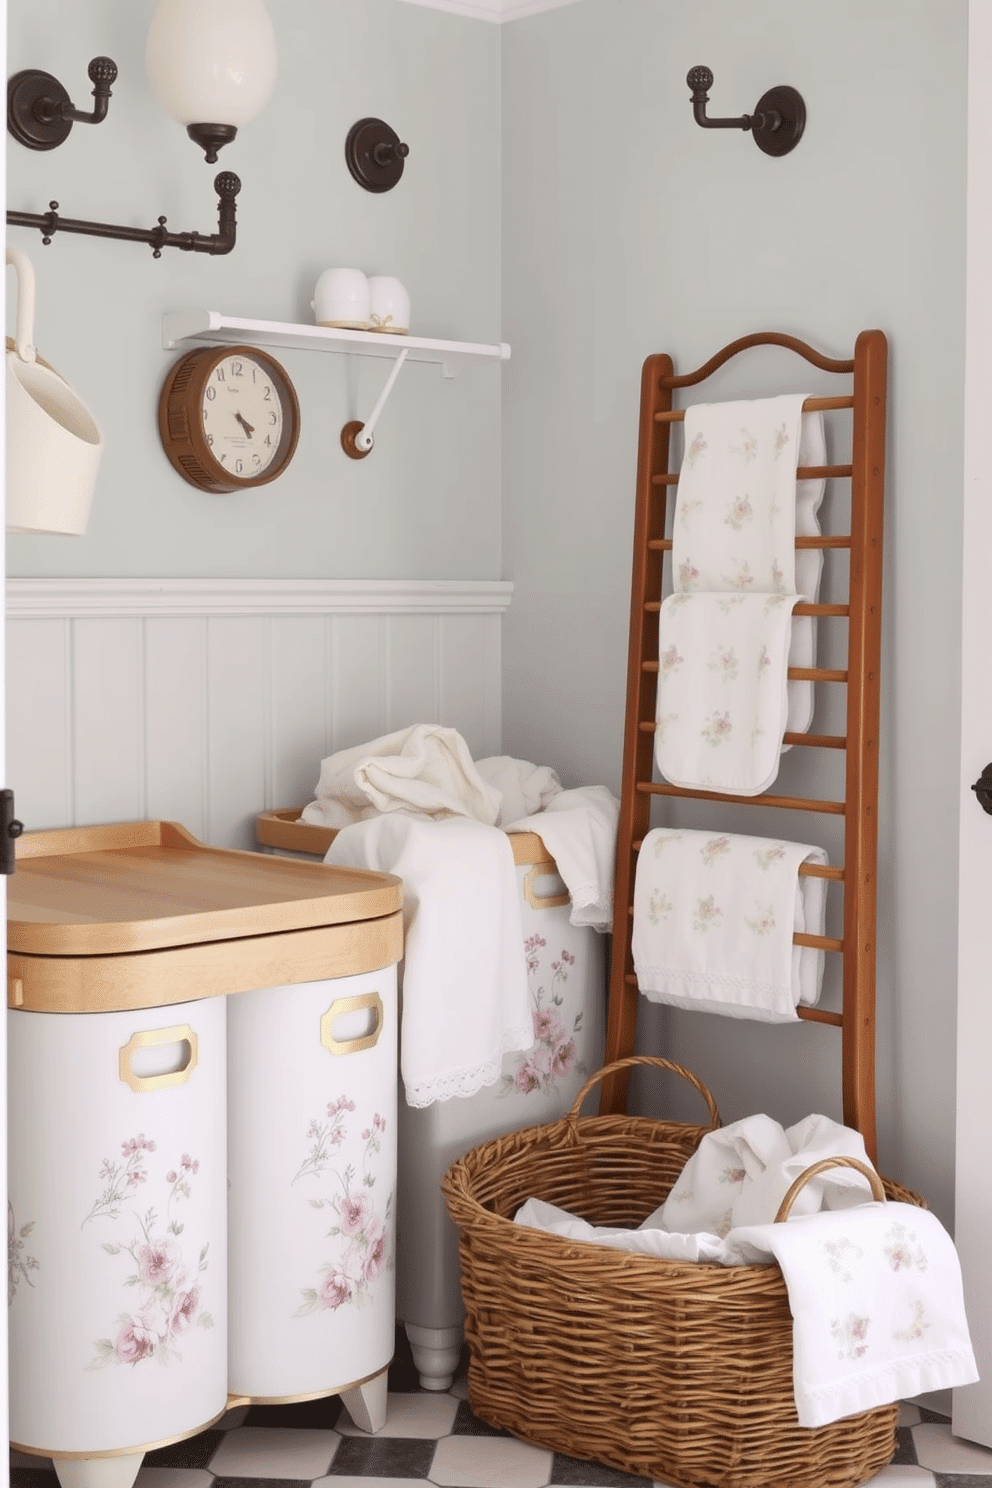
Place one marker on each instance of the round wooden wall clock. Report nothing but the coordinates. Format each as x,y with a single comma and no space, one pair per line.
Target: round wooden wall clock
229,418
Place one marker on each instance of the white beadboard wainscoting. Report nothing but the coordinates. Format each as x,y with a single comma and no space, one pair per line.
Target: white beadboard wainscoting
207,701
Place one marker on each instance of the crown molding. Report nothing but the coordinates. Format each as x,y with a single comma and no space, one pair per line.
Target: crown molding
60,599
493,10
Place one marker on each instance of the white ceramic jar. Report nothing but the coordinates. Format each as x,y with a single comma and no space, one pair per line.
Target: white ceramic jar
389,308
342,298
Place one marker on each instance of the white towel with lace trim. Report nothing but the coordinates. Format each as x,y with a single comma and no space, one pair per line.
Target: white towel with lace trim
877,1306
465,997
714,918
722,703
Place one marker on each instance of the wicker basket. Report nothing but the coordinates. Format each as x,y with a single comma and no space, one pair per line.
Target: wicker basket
680,1371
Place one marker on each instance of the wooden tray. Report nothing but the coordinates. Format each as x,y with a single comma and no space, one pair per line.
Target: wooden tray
144,885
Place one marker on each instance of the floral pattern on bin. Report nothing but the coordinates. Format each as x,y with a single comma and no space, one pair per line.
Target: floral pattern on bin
556,1046
165,1281
360,1232
19,1265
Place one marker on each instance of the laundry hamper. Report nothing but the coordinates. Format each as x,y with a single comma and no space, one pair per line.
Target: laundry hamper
130,1195
680,1371
566,975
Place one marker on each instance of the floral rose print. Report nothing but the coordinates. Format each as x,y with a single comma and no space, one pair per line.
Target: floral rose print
555,1046
841,1253
778,577
166,1286
713,849
781,440
723,661
666,839
664,723
717,729
669,660
734,1176
748,447
360,1231
900,1252
739,511
697,448
764,660
687,508
730,602
851,1334
917,1326
766,856
707,913
659,908
19,1266
688,574
741,578
764,919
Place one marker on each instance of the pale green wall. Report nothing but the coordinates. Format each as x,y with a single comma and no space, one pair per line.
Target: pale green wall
425,504
628,230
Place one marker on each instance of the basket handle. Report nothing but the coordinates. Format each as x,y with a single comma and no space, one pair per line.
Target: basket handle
877,1191
608,1069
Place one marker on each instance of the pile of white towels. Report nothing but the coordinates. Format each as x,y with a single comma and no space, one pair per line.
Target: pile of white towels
874,1288
416,804
715,913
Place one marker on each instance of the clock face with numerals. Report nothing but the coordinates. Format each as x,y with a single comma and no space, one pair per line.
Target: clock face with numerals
229,418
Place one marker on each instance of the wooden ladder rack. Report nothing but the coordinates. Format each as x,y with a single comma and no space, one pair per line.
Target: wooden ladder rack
863,543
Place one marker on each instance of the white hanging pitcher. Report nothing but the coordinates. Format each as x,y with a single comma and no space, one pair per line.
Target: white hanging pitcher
53,442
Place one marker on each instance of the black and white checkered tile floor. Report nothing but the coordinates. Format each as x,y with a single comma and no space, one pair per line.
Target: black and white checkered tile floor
435,1439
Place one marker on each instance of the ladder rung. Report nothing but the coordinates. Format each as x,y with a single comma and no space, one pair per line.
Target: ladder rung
653,607
790,803
813,741
811,405
803,472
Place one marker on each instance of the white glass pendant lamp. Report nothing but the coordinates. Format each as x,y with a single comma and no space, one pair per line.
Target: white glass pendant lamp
211,65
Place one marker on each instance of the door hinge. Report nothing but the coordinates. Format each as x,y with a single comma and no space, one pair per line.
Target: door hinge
10,830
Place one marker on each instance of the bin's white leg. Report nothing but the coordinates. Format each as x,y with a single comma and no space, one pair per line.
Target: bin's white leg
436,1352
367,1403
98,1472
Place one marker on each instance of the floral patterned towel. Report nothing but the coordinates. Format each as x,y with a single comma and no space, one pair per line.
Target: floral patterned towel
714,918
735,507
877,1306
579,830
722,701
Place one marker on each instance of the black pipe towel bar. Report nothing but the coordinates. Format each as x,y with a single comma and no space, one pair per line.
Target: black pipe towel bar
227,185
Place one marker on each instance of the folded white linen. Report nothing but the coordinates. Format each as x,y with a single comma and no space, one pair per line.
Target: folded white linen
714,919
739,1174
524,788
423,768
722,701
877,1306
465,998
579,829
735,506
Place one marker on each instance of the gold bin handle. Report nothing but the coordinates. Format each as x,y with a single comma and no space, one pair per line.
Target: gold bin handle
547,869
150,1039
352,1005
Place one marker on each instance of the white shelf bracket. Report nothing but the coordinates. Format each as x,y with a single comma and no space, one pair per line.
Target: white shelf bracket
356,437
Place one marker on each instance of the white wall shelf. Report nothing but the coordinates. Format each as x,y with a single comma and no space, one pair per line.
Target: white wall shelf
179,326
212,328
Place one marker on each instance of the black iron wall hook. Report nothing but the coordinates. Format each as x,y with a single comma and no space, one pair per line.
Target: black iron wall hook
777,123
40,112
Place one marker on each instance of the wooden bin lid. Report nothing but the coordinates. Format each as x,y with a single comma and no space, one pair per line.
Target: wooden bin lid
143,886
287,830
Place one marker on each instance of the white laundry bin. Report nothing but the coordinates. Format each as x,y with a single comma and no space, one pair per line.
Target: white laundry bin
124,943
567,977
